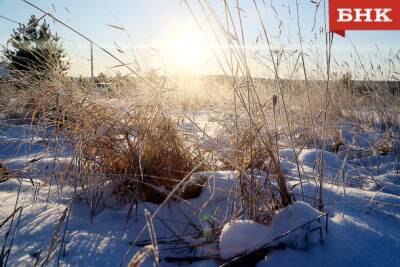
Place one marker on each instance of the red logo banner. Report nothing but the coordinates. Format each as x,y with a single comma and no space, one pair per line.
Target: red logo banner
363,15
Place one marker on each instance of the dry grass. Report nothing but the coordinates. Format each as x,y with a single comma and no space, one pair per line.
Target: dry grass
3,173
134,144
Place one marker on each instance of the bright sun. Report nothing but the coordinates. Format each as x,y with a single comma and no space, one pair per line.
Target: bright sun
188,50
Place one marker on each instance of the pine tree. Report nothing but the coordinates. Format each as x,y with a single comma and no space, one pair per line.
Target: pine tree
34,49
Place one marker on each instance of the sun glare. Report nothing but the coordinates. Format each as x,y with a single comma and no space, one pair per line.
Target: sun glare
187,49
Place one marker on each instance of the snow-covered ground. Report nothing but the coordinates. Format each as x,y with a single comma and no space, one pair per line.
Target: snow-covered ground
361,196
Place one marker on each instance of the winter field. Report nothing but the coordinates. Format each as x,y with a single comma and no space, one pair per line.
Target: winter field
62,218
283,151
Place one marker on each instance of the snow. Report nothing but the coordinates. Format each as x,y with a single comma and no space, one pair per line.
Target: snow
352,241
363,221
240,236
4,73
293,216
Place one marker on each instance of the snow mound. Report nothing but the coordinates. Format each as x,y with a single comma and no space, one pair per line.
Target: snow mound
293,216
241,236
332,163
309,156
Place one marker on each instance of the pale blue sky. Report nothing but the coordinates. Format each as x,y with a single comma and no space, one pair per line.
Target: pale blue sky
155,23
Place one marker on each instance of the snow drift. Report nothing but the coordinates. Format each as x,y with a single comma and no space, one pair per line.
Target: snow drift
240,236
